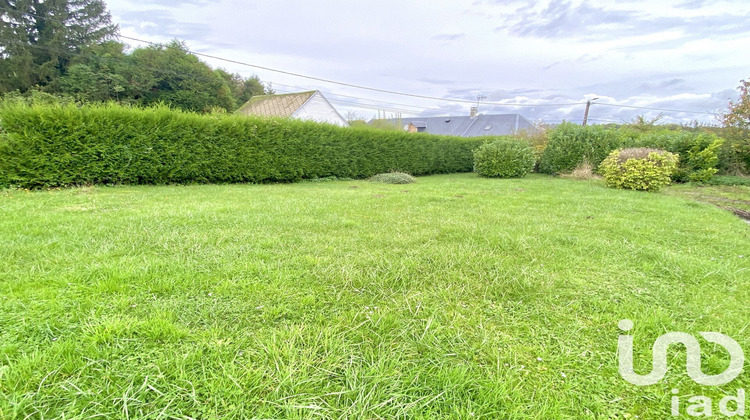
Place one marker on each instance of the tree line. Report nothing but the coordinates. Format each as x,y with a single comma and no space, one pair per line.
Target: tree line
68,48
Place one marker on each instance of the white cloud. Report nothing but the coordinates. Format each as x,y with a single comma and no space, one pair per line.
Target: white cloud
531,52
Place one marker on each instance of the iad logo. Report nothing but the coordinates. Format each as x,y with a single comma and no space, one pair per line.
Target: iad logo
625,348
703,405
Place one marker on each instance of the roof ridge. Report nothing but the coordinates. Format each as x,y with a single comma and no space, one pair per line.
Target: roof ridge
281,105
285,94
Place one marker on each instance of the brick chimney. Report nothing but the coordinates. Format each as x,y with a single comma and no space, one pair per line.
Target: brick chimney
474,111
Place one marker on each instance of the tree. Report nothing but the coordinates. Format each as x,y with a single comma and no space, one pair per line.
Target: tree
96,75
643,124
171,74
738,115
737,130
243,89
38,38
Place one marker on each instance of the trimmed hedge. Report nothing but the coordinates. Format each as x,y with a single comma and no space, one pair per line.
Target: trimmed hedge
49,146
505,158
4,181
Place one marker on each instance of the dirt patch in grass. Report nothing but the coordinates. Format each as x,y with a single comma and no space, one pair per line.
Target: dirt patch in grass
735,199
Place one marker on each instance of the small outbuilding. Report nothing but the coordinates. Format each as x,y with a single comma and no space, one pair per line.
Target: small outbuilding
307,106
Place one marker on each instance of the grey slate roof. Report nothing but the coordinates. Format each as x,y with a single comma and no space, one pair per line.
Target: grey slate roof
481,125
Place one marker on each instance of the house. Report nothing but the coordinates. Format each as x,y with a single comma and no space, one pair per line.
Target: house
308,106
474,125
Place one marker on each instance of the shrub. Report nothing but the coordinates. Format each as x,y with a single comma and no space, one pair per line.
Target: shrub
571,144
393,178
639,168
505,158
49,146
538,138
734,155
702,161
699,152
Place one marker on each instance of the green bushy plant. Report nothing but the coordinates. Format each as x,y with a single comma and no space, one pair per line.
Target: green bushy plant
702,161
639,168
505,158
393,178
734,155
698,151
571,144
538,138
49,146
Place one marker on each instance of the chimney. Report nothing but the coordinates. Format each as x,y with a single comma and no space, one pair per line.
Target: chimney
474,111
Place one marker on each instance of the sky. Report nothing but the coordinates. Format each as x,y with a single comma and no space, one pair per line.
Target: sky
541,59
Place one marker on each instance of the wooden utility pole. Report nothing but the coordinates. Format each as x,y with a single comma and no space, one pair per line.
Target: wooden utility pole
586,114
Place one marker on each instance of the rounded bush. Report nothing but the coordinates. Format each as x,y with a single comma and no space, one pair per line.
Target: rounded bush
506,158
639,168
393,178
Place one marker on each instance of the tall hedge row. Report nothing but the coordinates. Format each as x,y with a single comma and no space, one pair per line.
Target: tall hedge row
46,146
571,144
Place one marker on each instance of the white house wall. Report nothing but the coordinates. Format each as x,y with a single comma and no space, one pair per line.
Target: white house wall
317,108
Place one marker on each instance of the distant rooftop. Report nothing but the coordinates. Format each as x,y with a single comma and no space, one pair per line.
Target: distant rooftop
466,126
275,105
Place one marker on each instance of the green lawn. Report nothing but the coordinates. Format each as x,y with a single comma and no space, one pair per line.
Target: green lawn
455,297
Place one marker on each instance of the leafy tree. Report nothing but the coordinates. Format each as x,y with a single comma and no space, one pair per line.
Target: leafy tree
38,38
62,47
644,124
243,89
737,130
97,75
738,115
172,75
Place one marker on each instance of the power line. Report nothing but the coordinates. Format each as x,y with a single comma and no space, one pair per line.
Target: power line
172,73
415,95
392,92
654,109
331,96
358,105
355,97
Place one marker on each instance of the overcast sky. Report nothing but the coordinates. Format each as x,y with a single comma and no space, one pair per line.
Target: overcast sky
683,54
